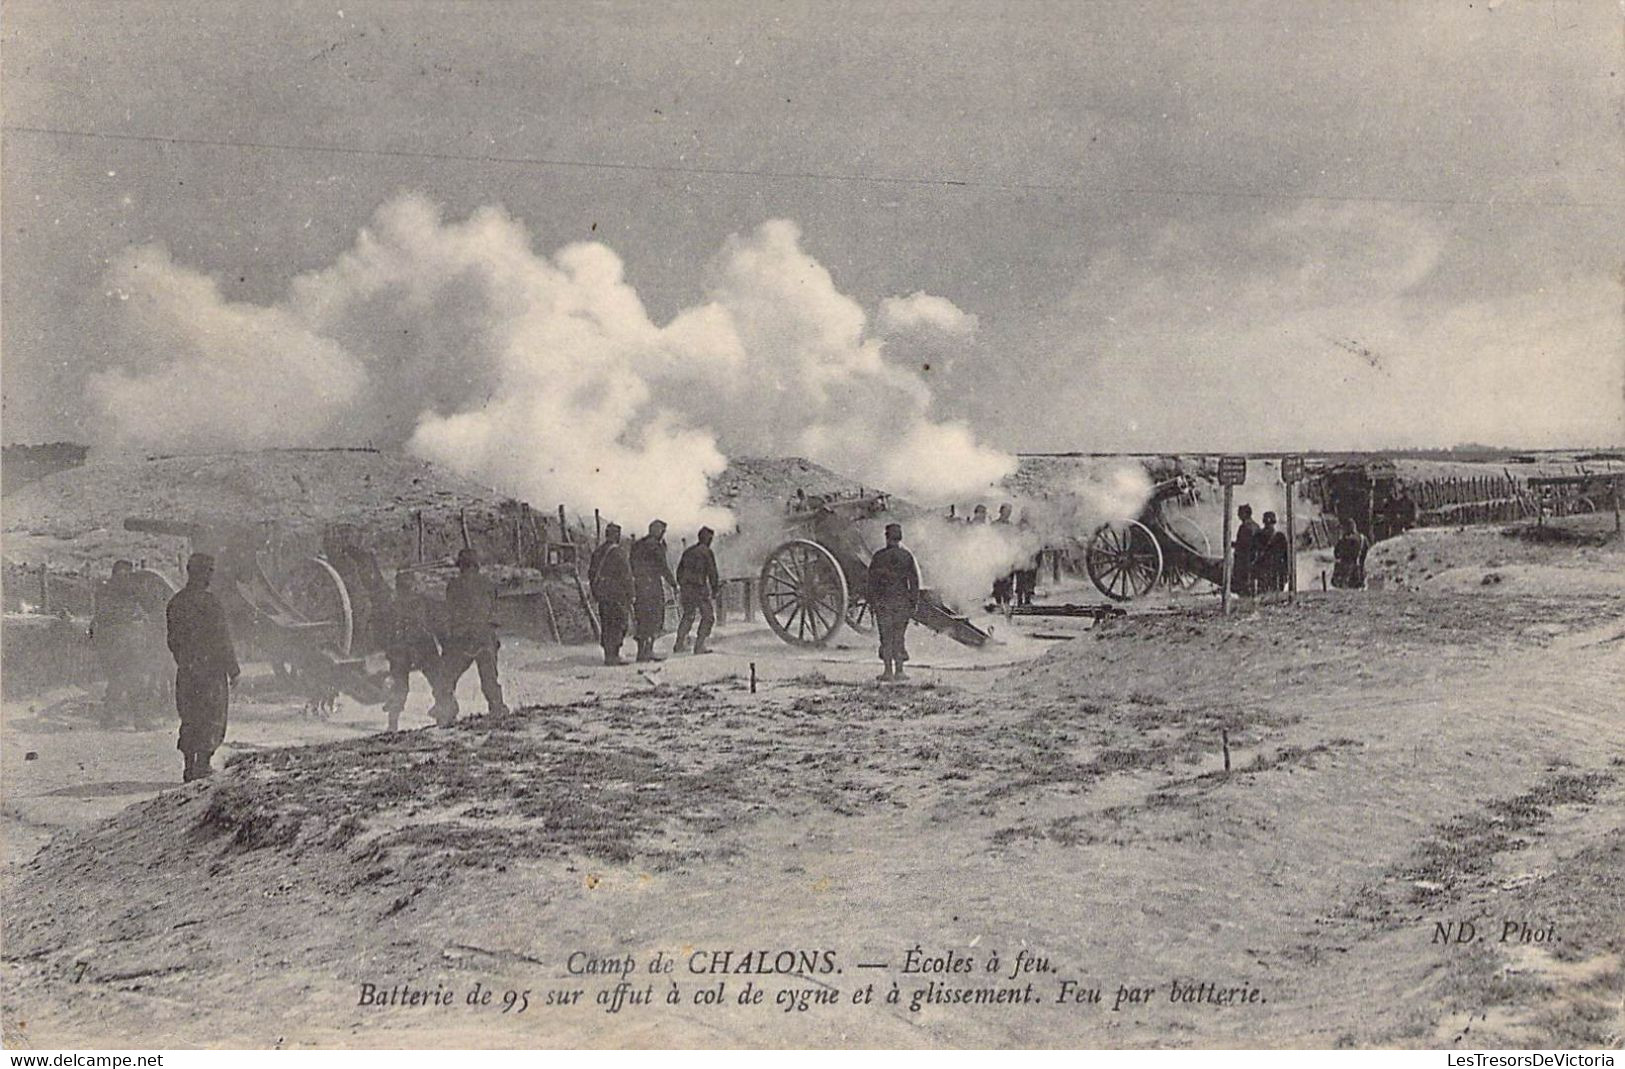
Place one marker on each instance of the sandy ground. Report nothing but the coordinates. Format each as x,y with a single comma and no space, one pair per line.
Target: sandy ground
1398,759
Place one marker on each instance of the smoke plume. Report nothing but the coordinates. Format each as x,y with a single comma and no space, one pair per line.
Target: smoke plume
542,375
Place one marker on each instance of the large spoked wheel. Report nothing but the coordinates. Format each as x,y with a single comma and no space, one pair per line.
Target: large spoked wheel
314,589
804,596
1123,560
1191,534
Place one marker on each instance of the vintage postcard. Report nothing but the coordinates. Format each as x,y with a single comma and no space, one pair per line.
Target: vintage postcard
839,524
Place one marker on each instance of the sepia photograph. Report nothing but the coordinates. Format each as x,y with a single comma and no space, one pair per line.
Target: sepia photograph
914,524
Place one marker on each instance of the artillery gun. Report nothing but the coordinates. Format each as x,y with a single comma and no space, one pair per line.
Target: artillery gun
314,618
1126,560
815,583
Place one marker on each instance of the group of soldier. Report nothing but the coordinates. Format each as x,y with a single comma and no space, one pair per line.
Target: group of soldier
1018,586
1262,558
629,584
441,640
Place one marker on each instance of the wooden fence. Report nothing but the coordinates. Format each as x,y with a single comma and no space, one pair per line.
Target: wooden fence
1454,502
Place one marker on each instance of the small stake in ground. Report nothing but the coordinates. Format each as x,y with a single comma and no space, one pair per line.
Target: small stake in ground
1224,738
753,677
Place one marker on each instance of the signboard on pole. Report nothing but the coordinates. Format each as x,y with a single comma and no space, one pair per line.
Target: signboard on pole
1291,472
1232,471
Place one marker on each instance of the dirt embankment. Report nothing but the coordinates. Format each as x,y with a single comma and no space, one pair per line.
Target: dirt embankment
1395,760
1573,555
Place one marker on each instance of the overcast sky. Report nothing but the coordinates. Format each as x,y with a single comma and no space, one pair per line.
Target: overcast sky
1178,226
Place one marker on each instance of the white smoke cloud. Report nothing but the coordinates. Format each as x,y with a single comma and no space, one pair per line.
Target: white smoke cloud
542,375
921,311
961,560
202,372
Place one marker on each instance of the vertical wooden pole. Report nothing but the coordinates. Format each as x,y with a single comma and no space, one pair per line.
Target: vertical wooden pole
1229,553
1619,490
45,588
1291,551
597,526
564,535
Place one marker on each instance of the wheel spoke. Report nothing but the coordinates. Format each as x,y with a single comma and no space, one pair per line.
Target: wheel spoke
820,624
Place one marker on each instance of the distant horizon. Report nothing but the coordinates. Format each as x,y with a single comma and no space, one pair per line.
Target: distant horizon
1469,447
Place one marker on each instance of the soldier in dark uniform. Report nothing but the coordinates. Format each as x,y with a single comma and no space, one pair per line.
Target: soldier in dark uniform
610,574
1245,547
698,586
469,636
894,592
1027,574
116,636
649,570
1348,555
1270,557
410,644
205,666
1004,586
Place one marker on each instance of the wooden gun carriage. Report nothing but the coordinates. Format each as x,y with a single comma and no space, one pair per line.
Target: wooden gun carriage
314,618
815,583
1126,560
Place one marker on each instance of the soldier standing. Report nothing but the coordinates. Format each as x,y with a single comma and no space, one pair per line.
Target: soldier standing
410,644
1245,546
470,638
650,569
610,575
1004,585
1270,557
1348,555
698,586
116,633
205,666
1027,574
894,592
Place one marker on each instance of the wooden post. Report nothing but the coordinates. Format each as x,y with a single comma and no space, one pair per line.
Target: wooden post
1619,490
753,677
45,588
1291,552
1224,737
552,619
1229,553
564,534
417,518
597,526
1291,472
